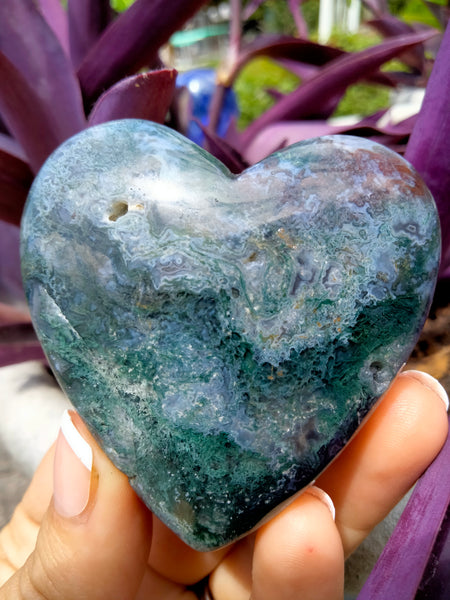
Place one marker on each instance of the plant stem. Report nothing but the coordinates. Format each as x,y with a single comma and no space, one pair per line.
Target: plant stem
223,75
300,23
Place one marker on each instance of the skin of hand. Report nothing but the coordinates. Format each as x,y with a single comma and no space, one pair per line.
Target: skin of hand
81,532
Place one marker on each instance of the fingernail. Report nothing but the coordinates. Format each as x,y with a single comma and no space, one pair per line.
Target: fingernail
431,383
72,470
323,497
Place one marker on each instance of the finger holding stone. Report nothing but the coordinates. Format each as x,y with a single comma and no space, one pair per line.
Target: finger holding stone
298,554
170,557
94,539
382,462
156,587
18,537
232,579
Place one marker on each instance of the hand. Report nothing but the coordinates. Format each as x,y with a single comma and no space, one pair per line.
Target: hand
87,535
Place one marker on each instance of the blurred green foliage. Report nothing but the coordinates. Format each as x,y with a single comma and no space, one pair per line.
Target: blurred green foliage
415,11
274,16
252,84
363,99
121,5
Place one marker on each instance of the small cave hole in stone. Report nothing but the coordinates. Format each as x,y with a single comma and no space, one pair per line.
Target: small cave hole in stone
376,368
376,365
118,209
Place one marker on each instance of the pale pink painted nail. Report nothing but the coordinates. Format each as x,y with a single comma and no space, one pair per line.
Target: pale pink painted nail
318,493
72,470
429,382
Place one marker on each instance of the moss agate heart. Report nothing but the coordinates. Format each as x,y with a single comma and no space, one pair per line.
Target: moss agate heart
223,337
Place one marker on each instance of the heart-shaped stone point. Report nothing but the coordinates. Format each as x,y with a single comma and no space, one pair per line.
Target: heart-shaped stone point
224,336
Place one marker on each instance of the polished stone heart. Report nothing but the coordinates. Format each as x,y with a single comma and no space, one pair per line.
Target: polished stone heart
223,336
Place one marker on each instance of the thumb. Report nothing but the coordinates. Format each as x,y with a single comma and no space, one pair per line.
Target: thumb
94,539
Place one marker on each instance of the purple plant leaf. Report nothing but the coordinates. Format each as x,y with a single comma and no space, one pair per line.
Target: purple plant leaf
333,79
144,96
18,343
132,41
284,47
445,272
442,13
390,26
10,146
429,146
435,582
15,181
26,115
55,15
279,135
286,133
3,128
223,151
301,69
398,571
275,94
11,290
401,129
305,72
87,20
30,45
377,7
